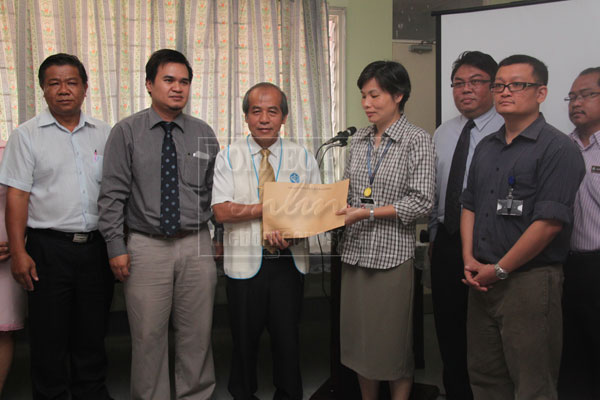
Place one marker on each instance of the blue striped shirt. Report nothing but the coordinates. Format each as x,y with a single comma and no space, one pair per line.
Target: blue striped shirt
586,227
60,169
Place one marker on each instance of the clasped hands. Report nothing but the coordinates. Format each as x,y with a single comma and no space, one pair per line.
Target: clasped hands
479,276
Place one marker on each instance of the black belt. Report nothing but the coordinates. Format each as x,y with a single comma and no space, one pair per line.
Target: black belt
278,254
180,234
75,237
585,253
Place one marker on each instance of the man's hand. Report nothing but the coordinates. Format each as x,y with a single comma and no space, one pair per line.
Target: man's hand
218,256
120,266
353,214
275,239
479,276
4,251
23,270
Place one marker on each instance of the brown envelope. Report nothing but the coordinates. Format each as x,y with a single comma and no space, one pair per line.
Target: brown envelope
299,210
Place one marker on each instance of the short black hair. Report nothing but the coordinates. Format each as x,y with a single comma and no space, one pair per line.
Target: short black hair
165,56
283,105
391,76
540,71
590,71
476,59
61,59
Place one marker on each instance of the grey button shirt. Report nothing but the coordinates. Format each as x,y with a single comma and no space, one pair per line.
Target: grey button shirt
547,168
130,190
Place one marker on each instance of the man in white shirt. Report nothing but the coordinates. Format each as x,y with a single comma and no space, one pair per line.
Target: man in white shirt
264,279
53,167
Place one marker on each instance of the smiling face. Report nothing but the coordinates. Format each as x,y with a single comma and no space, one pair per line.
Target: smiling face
472,101
525,103
264,117
381,108
170,90
64,91
585,113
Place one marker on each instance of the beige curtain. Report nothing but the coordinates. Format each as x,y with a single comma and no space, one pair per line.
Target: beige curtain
231,44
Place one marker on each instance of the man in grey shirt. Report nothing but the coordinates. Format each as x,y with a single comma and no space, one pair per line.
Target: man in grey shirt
157,181
515,226
455,141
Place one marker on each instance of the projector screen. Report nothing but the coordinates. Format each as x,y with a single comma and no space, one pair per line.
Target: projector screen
562,34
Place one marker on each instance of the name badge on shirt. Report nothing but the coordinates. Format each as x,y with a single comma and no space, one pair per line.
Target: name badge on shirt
367,202
595,169
510,207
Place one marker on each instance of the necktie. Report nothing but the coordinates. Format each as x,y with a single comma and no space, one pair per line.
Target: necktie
265,174
169,184
456,179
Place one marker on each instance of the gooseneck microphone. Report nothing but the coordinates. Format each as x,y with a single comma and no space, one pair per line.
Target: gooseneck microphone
342,135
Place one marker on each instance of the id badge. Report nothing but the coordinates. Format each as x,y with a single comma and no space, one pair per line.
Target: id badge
510,207
367,202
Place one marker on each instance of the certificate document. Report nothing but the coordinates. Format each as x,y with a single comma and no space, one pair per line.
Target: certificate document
299,210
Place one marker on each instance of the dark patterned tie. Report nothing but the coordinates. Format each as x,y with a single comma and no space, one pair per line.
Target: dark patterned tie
456,179
169,184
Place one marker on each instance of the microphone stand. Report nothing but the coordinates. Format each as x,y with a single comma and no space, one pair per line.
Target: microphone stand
342,383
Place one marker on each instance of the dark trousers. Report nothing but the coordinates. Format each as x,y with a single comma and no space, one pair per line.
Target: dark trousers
271,299
579,377
68,317
449,296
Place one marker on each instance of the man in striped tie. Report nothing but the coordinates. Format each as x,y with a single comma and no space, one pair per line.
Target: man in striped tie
264,271
580,369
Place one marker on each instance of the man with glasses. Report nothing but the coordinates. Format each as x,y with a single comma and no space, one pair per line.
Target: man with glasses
515,228
580,369
455,141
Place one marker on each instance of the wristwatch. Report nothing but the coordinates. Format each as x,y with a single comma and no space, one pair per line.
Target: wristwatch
500,272
371,215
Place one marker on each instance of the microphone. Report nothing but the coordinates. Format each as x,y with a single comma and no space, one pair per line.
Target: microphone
342,136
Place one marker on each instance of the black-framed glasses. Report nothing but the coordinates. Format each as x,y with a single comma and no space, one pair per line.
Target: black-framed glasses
474,83
572,97
512,87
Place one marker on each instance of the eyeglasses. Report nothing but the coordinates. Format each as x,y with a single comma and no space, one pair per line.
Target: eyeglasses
512,87
474,83
571,98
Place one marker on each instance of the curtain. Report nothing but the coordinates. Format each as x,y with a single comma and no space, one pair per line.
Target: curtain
231,45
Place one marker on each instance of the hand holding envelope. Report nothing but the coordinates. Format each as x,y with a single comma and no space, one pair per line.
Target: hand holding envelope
299,210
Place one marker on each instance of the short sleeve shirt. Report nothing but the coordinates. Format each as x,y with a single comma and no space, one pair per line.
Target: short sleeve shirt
547,169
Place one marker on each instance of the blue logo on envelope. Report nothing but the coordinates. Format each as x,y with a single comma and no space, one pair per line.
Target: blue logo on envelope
294,177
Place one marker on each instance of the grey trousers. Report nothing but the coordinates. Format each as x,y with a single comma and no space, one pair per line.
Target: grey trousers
514,336
171,278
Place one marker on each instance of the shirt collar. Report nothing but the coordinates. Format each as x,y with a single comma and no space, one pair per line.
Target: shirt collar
482,120
394,131
275,148
594,139
46,118
155,119
531,132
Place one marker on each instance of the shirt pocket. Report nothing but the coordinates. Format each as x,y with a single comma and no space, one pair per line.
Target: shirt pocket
525,190
97,167
194,169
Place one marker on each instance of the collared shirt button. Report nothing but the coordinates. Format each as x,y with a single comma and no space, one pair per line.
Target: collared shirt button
492,191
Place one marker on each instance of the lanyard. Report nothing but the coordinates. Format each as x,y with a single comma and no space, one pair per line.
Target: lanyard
369,151
254,165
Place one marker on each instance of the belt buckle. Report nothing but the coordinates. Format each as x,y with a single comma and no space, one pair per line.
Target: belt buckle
271,256
80,237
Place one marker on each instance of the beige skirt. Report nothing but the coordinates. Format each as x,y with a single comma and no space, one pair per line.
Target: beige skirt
376,335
